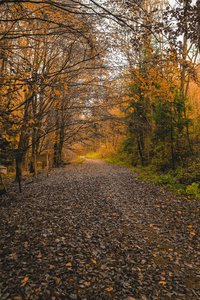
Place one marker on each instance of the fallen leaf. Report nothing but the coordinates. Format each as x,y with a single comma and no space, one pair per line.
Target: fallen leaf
94,261
109,289
69,264
24,281
58,280
162,282
51,266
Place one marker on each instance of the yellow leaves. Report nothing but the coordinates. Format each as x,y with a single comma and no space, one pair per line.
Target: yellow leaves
162,282
189,226
39,255
68,264
126,98
6,137
179,212
86,283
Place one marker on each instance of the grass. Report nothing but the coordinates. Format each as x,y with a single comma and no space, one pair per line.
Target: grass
8,175
79,160
94,155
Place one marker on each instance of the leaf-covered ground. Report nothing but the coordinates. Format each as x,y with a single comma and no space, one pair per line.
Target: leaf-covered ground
93,231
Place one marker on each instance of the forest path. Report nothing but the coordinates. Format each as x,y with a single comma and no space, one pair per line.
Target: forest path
93,231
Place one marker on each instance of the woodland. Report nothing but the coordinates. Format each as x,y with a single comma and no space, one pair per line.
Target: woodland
100,135
120,78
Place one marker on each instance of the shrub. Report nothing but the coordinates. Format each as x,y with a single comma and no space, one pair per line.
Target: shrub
193,189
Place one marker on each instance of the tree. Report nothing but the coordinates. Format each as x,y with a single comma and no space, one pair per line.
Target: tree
44,46
160,71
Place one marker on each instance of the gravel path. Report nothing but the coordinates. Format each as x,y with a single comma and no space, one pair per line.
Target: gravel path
93,231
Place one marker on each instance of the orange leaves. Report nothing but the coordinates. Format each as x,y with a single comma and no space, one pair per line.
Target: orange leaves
86,283
58,280
62,88
94,261
6,137
51,267
192,233
31,6
24,281
109,289
57,92
66,87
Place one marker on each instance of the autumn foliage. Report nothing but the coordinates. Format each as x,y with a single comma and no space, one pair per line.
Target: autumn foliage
80,75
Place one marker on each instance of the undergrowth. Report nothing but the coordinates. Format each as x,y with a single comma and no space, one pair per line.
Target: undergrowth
170,180
80,159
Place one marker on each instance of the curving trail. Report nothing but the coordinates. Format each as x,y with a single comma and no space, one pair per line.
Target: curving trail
93,231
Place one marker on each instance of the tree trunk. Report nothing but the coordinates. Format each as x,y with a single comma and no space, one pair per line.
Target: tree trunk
140,150
2,186
172,146
198,28
19,159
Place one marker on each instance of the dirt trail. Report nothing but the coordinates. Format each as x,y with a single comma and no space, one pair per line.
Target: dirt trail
93,231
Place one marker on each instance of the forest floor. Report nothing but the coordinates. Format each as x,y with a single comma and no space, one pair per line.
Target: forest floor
93,231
